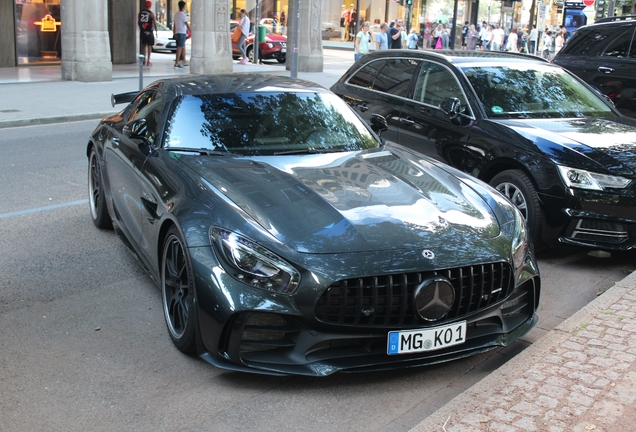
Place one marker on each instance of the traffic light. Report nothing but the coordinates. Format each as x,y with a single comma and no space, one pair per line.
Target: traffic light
601,9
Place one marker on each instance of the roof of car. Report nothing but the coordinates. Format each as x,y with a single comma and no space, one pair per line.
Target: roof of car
235,83
457,56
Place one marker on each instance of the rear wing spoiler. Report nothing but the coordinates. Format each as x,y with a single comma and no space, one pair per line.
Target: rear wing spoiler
120,98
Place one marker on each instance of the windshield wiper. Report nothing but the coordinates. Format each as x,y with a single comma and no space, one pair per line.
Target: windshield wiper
203,151
310,151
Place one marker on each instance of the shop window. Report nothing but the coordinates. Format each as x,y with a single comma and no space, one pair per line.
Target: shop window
38,32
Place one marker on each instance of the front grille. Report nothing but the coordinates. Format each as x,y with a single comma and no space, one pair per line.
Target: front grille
387,300
600,231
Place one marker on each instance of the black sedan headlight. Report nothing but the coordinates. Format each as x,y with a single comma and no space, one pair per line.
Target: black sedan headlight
519,240
582,179
252,264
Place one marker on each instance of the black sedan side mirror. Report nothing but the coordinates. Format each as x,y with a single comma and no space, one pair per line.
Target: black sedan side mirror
378,123
451,106
136,129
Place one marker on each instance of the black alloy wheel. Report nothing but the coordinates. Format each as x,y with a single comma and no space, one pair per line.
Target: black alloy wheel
96,198
519,190
177,291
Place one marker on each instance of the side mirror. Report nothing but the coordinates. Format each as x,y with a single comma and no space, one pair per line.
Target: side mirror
451,106
136,129
378,123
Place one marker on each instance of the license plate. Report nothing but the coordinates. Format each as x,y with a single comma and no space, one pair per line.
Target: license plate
283,50
412,341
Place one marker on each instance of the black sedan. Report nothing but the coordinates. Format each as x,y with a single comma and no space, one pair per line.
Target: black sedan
555,147
286,239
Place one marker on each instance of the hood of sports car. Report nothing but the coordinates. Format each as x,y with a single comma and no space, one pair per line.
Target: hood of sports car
354,201
600,141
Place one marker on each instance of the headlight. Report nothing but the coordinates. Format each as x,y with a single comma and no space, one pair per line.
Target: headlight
519,240
578,178
252,264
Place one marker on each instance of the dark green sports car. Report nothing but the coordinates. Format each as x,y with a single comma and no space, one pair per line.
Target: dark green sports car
286,239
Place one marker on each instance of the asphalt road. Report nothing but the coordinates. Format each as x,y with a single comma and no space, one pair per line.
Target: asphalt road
83,343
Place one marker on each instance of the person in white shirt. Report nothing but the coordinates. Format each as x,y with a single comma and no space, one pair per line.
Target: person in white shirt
497,38
244,25
181,29
533,38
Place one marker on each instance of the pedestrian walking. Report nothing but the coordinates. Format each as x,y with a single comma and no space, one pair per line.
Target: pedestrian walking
283,22
533,38
381,38
411,40
362,41
244,25
471,38
548,46
395,35
465,31
147,25
180,33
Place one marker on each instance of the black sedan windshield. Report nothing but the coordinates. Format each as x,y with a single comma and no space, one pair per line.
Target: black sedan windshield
532,91
266,123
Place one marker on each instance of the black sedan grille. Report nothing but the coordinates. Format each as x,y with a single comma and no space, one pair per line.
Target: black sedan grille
387,300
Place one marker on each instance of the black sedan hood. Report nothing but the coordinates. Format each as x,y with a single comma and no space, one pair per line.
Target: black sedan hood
351,202
601,141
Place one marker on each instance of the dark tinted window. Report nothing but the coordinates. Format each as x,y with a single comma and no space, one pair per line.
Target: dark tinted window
619,47
267,123
592,41
395,77
434,83
148,106
365,76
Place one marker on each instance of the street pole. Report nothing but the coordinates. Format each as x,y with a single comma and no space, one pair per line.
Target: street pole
141,71
294,59
257,37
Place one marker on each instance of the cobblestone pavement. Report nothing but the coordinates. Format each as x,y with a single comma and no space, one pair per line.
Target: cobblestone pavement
579,377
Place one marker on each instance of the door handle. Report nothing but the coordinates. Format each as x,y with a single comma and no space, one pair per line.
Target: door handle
407,121
115,142
363,107
605,69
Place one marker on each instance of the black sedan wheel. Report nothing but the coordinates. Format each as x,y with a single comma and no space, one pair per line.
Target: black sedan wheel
518,188
177,289
96,198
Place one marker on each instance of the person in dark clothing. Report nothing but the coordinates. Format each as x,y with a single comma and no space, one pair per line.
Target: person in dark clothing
395,35
147,24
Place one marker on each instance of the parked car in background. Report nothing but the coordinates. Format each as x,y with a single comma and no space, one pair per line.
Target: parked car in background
286,239
604,55
556,148
164,40
273,48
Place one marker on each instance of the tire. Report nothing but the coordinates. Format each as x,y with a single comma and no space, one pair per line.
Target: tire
177,292
519,190
96,197
250,53
281,59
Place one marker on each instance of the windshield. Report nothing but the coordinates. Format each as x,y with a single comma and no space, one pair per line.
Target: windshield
533,91
267,123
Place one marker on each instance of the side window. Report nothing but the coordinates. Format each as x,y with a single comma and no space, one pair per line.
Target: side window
148,106
619,47
435,83
395,77
365,76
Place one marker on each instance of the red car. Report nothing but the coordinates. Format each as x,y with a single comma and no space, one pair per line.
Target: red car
274,47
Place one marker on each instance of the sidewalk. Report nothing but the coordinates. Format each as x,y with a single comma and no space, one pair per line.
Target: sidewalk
581,376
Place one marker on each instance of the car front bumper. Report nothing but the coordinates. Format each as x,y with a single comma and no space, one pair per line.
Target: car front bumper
250,330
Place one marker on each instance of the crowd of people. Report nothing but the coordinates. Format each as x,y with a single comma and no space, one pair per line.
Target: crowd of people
486,37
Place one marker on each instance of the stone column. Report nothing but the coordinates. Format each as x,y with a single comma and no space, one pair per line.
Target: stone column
211,43
310,57
85,45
